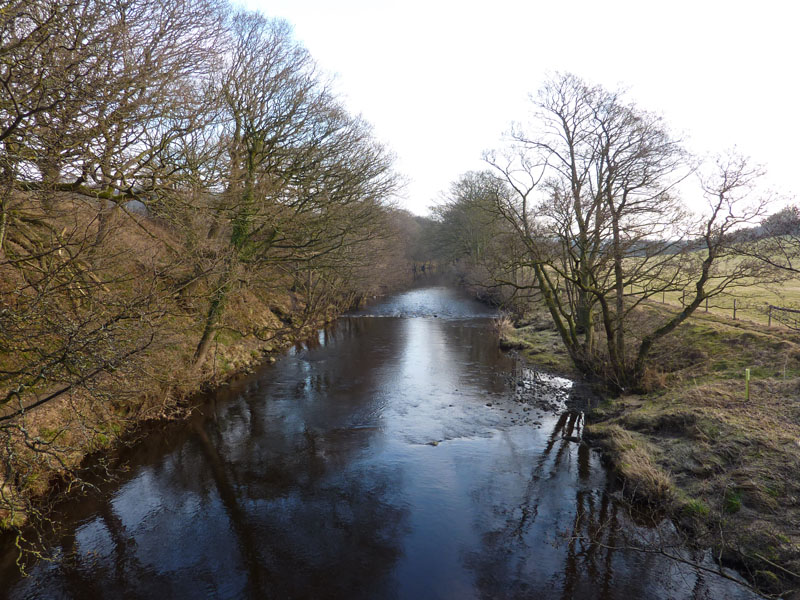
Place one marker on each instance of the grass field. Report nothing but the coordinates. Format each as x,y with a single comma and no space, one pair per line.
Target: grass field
752,303
752,298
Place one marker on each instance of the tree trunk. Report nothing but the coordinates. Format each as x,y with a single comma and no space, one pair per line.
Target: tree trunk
104,221
669,326
3,227
215,310
567,334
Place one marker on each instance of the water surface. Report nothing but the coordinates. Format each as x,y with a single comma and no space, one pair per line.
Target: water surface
399,455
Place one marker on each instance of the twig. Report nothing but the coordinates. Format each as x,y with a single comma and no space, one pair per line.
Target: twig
679,559
769,562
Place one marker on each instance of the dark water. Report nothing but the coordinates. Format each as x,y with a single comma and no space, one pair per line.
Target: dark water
401,455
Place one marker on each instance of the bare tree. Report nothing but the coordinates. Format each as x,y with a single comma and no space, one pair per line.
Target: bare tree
302,178
708,263
472,234
251,182
595,206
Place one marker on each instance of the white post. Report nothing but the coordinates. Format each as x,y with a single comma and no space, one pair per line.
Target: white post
747,384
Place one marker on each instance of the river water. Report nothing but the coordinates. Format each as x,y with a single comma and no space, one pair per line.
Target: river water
399,455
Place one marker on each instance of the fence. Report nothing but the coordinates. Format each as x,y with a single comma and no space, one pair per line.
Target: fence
748,308
785,316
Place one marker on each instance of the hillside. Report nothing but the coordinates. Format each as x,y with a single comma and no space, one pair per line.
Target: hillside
101,322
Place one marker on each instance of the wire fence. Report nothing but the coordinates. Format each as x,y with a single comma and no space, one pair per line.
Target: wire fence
789,317
747,309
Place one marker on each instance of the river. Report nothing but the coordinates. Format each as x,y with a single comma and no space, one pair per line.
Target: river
399,455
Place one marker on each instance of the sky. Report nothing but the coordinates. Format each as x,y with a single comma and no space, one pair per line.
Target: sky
442,81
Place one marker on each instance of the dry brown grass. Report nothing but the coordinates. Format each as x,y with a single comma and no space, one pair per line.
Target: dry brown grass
503,326
133,266
731,464
634,460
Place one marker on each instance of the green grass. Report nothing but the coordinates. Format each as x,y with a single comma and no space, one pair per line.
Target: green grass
709,347
732,502
542,348
696,508
752,297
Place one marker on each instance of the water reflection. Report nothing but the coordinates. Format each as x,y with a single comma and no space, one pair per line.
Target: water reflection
596,548
389,457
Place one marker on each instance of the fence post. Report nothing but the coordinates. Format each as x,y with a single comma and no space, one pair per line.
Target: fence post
769,318
747,384
706,304
662,297
734,309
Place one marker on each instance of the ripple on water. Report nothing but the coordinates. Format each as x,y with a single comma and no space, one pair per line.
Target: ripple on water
436,302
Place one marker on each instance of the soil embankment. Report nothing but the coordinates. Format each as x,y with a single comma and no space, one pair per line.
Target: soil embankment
722,465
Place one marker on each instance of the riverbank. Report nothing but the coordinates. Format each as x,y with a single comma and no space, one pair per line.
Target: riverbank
400,448
111,321
537,342
721,465
53,445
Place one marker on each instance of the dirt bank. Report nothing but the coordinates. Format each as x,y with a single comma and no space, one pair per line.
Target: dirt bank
724,467
57,442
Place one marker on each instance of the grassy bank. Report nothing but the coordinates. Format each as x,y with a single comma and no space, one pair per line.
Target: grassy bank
53,445
100,324
538,342
723,466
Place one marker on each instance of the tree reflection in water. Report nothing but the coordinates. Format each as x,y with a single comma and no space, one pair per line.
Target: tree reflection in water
387,458
608,552
247,498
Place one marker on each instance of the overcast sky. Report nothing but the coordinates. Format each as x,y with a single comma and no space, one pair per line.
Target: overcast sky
441,81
